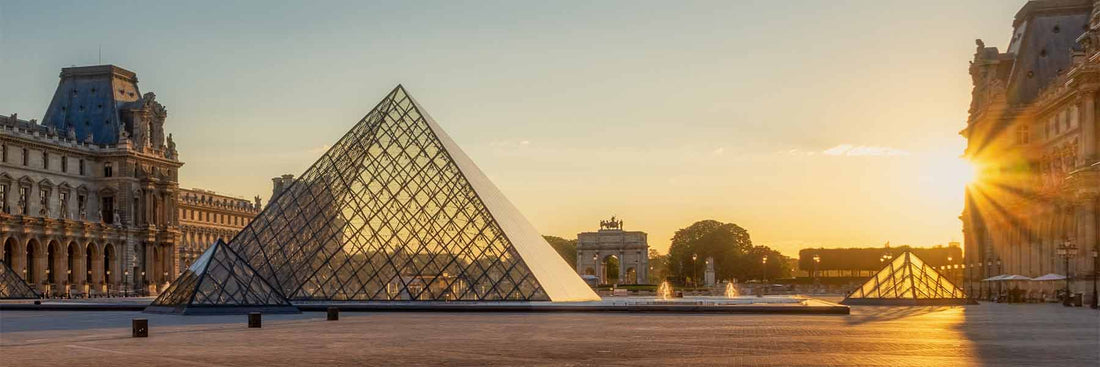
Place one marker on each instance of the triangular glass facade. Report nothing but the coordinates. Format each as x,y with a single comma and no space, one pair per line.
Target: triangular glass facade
907,280
12,286
395,211
220,281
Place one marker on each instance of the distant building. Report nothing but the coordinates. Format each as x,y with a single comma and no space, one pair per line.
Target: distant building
866,261
1032,130
629,249
88,197
280,184
206,216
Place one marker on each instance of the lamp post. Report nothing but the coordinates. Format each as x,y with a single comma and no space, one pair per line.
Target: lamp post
599,279
1067,250
694,272
1095,296
764,270
817,259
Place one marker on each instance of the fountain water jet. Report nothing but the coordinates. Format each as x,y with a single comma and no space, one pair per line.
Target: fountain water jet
731,291
664,291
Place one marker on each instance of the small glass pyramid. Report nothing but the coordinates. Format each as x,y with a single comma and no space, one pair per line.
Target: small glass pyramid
220,282
12,286
907,281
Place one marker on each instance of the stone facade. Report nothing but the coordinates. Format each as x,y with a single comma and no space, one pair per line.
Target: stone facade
1032,134
630,248
206,216
89,195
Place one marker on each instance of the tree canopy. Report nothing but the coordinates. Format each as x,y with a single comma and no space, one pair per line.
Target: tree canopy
730,246
566,248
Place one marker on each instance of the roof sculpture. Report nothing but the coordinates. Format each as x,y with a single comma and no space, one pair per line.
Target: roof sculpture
907,280
396,211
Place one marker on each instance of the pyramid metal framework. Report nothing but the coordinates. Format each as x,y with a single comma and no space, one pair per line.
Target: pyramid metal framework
219,282
907,280
395,211
12,286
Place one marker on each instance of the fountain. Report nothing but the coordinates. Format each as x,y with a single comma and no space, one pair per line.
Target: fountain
664,291
731,291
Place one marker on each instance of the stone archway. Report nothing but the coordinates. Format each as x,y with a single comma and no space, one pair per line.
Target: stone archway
110,266
73,263
93,275
631,276
610,269
11,255
55,267
34,267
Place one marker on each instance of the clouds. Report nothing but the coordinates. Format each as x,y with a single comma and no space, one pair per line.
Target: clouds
849,150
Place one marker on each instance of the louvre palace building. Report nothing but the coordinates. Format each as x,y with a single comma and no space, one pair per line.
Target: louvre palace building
90,203
1032,135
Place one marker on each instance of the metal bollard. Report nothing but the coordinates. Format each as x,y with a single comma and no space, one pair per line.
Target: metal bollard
333,314
141,328
253,319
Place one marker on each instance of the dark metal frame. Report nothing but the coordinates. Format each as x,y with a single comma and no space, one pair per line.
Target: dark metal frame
385,215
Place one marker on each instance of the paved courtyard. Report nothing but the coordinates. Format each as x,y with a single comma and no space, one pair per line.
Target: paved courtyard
989,334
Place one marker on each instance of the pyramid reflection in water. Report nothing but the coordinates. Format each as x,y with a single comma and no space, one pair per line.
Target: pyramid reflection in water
907,280
395,211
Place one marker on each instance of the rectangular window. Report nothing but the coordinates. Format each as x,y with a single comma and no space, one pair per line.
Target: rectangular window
26,157
64,164
44,202
63,205
45,160
4,198
23,209
81,167
108,209
81,206
108,170
4,153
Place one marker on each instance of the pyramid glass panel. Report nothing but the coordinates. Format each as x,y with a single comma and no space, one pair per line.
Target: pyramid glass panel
220,281
907,280
12,286
395,211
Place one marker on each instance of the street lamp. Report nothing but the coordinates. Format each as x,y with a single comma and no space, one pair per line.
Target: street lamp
1095,274
1067,250
596,257
764,264
694,272
817,259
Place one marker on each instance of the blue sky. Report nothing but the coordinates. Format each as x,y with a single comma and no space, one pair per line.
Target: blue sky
810,123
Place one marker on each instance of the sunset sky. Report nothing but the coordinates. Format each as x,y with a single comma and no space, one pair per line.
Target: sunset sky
809,123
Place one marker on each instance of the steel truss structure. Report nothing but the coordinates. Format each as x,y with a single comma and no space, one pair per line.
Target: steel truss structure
220,281
395,211
907,280
12,286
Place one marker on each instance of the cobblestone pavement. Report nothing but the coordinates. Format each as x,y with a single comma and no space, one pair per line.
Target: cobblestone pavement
989,334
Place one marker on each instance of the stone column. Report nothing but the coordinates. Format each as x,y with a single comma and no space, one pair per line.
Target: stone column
150,284
1088,127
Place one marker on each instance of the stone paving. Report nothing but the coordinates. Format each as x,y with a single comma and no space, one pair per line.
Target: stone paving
989,334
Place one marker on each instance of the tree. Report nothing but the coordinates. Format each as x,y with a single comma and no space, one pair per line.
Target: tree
727,243
658,265
566,248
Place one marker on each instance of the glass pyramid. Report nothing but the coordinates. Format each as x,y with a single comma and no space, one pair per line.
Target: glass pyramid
395,211
907,280
12,286
220,282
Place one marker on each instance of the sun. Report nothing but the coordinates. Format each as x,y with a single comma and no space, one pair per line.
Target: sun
945,176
